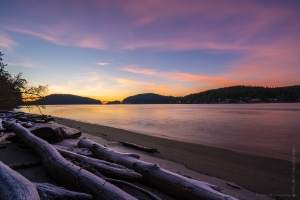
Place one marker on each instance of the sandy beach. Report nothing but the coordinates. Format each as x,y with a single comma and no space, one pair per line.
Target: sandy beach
266,176
239,175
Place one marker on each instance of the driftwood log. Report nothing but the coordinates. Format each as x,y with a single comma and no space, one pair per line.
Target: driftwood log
50,134
14,186
1,127
106,168
25,165
69,175
115,181
5,136
52,192
81,151
138,147
173,184
36,120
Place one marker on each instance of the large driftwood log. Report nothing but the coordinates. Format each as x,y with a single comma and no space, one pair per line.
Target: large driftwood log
106,168
138,147
69,175
175,185
14,186
52,192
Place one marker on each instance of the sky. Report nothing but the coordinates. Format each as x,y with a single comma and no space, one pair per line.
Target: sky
111,49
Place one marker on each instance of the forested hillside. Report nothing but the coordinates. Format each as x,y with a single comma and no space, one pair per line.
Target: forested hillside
245,94
148,98
234,94
55,99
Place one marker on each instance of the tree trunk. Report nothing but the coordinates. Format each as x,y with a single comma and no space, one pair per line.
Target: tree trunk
175,185
14,186
69,175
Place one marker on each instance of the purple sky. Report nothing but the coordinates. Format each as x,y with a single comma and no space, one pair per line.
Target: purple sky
112,49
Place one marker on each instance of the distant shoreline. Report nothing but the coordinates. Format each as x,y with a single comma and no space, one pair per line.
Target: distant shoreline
159,104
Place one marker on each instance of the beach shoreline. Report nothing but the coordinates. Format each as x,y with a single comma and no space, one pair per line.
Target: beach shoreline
263,175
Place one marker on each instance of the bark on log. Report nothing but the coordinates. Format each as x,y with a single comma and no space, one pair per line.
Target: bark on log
142,148
175,185
115,181
106,168
52,192
25,165
14,186
69,175
81,151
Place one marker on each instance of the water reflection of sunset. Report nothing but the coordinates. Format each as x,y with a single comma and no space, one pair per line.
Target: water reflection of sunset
228,126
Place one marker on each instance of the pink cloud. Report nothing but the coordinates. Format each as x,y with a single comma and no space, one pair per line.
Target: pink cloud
181,77
6,42
213,25
102,63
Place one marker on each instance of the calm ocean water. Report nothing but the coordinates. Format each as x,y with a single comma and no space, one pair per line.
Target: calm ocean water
271,130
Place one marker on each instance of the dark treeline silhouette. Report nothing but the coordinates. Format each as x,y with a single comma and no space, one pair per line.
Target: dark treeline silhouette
148,98
113,102
248,94
14,90
56,99
234,94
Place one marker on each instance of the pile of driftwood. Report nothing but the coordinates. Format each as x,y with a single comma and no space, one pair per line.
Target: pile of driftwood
90,171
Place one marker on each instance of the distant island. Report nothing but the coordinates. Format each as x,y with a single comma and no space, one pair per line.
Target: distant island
148,98
113,102
58,99
234,94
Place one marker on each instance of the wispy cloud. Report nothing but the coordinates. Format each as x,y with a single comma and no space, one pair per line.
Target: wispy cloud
102,63
6,42
136,87
22,64
134,83
178,76
155,25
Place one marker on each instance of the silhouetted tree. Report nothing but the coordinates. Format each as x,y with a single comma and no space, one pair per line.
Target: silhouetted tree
14,90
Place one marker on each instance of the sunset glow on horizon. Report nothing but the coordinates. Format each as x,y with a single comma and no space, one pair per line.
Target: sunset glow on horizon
109,50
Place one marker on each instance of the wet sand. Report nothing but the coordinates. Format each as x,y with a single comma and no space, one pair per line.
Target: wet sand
266,176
